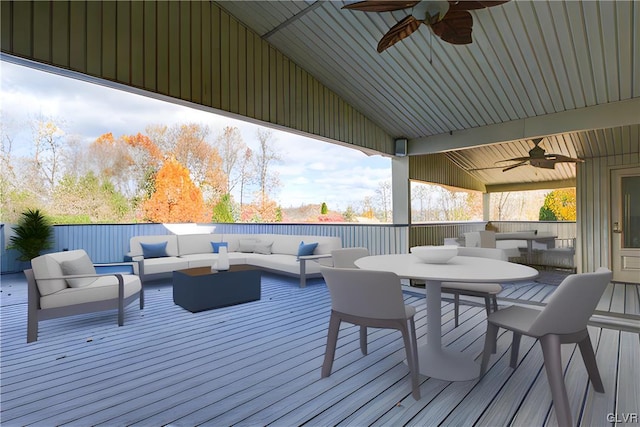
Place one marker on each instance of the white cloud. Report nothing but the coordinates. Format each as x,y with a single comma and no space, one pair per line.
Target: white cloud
311,171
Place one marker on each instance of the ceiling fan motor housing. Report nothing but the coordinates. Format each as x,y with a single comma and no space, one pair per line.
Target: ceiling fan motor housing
430,12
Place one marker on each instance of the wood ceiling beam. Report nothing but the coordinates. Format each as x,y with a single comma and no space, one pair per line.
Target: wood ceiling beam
611,115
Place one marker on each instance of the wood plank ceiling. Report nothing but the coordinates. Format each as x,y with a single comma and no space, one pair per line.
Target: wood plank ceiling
530,62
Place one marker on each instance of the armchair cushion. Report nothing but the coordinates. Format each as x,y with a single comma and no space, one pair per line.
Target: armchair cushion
104,288
154,250
78,266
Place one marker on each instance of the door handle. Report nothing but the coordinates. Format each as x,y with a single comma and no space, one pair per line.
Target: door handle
616,228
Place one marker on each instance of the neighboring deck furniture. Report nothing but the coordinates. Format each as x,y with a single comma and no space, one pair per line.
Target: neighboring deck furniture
66,283
532,240
369,299
480,239
199,289
562,321
561,255
436,361
345,257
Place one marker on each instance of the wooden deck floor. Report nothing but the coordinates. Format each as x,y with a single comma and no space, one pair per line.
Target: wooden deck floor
259,364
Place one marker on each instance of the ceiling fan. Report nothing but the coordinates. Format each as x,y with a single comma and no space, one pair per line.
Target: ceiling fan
538,158
449,20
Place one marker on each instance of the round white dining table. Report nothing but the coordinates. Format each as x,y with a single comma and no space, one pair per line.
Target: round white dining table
434,360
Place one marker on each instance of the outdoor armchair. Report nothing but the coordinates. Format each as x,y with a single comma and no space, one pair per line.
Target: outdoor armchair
66,283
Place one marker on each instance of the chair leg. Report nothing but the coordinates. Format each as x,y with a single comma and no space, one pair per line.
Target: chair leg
494,299
489,346
589,358
32,326
332,341
363,340
456,306
553,364
487,304
410,347
515,349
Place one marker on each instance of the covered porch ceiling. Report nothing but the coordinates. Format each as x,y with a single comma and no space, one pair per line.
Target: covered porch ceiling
568,71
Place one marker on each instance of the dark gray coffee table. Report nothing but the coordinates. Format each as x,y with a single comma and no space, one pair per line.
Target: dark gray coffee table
199,289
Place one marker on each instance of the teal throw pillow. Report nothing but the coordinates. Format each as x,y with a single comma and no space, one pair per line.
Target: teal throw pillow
154,250
217,245
306,249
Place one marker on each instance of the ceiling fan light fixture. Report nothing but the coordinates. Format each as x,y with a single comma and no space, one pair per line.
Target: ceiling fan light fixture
430,11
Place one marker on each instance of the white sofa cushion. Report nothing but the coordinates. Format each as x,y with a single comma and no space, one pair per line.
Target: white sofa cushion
288,245
171,239
103,288
197,243
326,244
263,248
281,262
164,265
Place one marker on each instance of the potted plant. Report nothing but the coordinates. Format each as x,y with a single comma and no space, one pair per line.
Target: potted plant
32,235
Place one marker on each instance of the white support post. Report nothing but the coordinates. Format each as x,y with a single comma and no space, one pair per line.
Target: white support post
486,207
400,190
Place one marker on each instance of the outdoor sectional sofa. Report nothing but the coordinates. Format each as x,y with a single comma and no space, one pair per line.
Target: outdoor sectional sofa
272,252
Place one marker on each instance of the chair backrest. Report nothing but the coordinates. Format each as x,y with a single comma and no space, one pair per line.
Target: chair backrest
365,293
345,257
492,253
572,303
49,265
480,239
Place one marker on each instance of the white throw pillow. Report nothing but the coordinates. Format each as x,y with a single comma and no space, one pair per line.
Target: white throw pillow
247,245
78,266
263,248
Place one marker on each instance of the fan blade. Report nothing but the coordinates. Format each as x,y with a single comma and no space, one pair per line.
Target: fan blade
514,166
398,32
515,159
455,27
473,5
484,169
380,6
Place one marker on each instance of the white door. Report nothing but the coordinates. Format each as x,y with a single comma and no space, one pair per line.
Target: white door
625,219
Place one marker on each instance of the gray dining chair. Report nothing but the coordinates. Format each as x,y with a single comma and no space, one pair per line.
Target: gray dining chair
346,257
488,291
369,299
563,320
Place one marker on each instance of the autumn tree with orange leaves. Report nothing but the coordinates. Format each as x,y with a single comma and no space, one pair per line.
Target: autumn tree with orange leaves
176,198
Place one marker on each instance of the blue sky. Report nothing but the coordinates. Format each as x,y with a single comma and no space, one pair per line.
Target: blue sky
311,171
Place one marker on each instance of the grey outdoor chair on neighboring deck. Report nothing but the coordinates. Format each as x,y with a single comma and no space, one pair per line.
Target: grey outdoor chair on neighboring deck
345,257
562,321
370,299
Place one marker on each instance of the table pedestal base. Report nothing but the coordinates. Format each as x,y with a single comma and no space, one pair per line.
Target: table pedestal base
446,364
